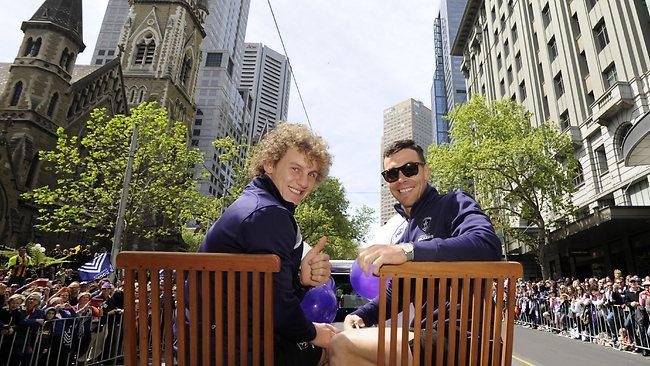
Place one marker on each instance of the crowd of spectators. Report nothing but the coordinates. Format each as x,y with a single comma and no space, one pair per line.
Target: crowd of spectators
610,311
49,316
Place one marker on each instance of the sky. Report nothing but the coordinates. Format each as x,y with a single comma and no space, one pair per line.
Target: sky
351,59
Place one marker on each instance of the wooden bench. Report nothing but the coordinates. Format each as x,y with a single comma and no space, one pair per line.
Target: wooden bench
479,332
155,332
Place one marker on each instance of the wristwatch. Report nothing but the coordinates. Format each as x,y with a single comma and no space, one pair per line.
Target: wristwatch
408,250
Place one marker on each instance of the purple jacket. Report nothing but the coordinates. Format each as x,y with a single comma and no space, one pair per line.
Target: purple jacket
261,222
450,227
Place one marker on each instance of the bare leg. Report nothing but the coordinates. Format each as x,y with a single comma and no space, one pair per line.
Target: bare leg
358,347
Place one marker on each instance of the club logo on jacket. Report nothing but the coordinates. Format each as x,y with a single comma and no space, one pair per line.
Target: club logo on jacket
425,224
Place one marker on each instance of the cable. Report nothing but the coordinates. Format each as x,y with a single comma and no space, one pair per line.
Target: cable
293,75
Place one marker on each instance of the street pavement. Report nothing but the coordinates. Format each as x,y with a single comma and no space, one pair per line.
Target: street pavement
539,348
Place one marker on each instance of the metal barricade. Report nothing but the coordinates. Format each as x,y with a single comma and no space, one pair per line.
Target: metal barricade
584,320
79,340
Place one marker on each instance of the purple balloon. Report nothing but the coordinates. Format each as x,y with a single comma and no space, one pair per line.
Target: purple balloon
364,285
330,282
319,304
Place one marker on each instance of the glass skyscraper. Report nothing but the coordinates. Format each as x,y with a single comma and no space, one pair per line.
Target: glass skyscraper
448,88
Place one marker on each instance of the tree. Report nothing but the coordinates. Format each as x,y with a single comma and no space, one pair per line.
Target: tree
512,168
90,172
324,212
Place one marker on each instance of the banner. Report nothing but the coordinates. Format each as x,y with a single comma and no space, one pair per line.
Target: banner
99,267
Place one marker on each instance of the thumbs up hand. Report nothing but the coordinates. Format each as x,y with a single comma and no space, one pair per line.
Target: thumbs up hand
315,267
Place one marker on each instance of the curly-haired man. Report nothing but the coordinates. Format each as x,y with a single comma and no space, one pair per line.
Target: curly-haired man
287,165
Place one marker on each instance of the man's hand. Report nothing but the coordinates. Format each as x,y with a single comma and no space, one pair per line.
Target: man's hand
378,255
324,333
353,321
315,267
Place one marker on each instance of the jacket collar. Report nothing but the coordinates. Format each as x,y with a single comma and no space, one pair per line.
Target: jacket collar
264,182
429,195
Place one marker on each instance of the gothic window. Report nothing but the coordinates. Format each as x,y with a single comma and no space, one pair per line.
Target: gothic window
70,59
145,51
141,96
132,96
28,48
18,90
37,47
64,58
186,70
52,105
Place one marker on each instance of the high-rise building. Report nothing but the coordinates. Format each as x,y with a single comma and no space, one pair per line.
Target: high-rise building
409,119
583,64
267,75
224,109
109,33
448,88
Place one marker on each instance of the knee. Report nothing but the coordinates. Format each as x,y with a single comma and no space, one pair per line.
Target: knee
340,346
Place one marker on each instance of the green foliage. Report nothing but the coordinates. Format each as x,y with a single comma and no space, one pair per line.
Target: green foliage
90,174
324,213
512,168
192,238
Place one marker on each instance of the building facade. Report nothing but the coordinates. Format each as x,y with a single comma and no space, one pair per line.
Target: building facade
41,91
224,109
160,54
586,65
109,34
448,88
409,119
267,75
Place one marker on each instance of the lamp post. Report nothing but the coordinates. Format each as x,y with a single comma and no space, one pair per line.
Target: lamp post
121,211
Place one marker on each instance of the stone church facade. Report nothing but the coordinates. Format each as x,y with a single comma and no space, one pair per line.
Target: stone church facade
43,89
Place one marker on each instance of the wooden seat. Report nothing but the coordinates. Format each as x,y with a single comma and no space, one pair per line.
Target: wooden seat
478,332
155,332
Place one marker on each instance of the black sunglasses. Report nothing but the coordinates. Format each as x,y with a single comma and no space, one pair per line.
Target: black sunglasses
409,169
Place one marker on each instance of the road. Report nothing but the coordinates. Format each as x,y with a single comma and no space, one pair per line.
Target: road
538,348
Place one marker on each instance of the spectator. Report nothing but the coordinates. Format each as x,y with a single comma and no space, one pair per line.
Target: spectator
624,340
11,318
634,317
18,265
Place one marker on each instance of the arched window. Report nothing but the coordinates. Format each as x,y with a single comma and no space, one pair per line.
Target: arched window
132,96
28,48
141,96
37,47
619,137
145,51
69,62
18,90
64,58
186,69
52,106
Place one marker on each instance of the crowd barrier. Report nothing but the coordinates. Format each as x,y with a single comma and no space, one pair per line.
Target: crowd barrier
81,340
588,322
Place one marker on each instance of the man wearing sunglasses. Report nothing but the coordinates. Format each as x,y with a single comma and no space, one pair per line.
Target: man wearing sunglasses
440,227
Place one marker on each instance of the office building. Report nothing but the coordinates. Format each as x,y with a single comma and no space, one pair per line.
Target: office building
448,88
583,64
109,32
223,108
267,75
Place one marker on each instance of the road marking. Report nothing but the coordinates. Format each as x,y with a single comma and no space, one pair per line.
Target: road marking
522,361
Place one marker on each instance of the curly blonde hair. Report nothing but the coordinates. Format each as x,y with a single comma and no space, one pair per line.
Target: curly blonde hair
284,136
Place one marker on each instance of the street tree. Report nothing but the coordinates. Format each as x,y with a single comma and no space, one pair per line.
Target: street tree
90,171
513,169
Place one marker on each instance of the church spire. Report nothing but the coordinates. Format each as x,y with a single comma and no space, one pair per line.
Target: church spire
65,15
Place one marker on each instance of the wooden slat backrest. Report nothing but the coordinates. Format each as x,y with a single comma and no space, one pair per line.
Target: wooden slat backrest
201,279
476,309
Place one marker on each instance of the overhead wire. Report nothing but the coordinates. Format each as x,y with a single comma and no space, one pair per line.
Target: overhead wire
293,75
